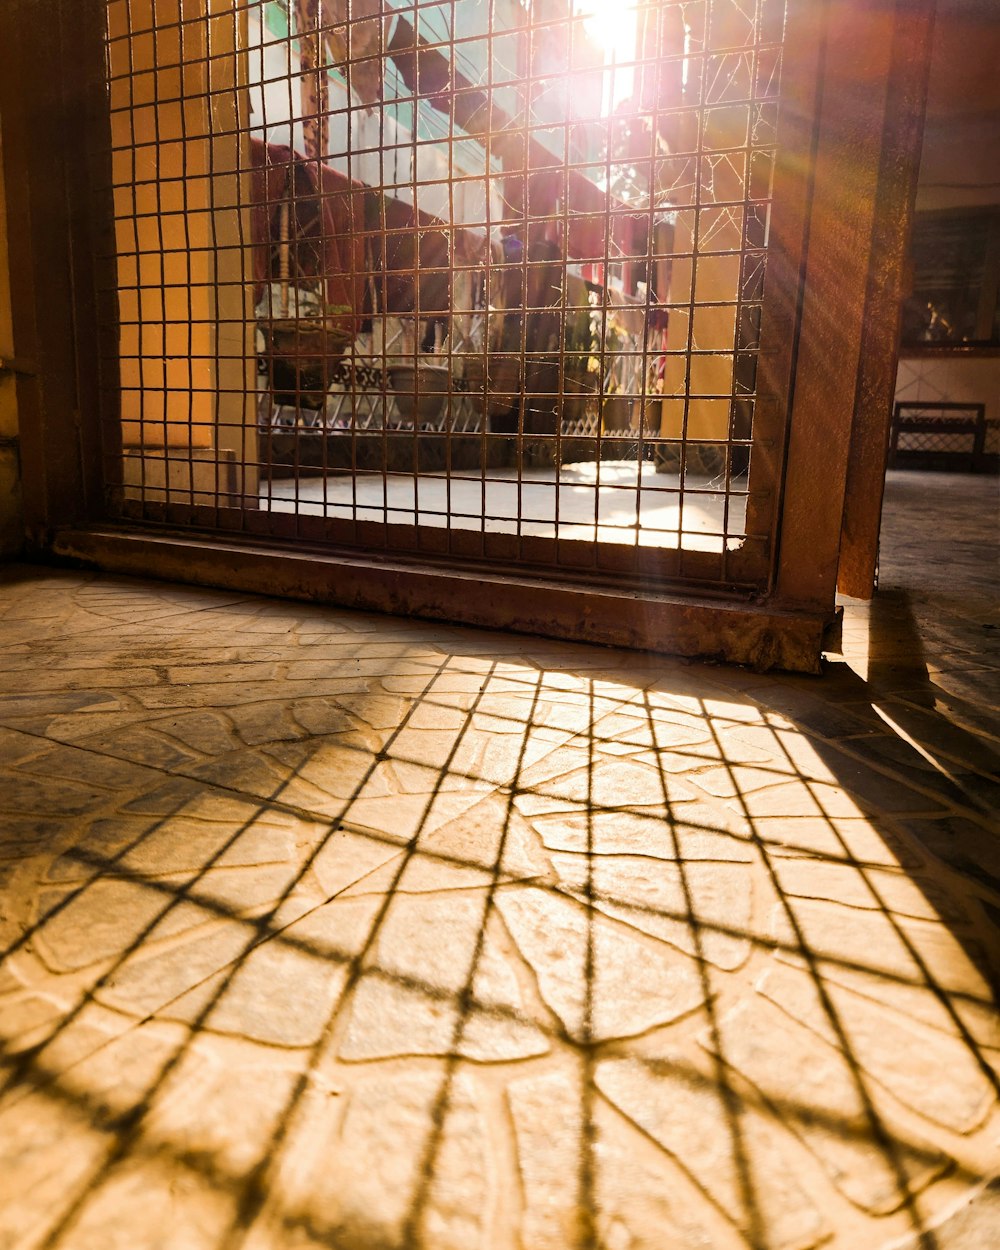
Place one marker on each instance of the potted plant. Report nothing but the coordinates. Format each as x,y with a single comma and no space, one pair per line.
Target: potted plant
420,389
304,338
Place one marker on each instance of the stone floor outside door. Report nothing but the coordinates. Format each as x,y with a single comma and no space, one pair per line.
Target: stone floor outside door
323,929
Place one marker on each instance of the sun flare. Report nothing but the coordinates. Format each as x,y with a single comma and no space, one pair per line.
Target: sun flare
613,26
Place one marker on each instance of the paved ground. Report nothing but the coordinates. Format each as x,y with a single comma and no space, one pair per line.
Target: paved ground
331,930
604,501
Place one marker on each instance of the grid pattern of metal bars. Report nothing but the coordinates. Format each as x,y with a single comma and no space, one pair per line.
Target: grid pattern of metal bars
479,280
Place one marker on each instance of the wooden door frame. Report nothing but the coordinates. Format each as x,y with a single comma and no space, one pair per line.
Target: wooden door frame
865,148
62,265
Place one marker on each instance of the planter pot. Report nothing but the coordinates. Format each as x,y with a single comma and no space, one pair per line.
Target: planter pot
301,357
579,390
495,382
616,413
420,391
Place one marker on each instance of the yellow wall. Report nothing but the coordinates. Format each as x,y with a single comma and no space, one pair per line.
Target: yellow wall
185,319
693,381
705,271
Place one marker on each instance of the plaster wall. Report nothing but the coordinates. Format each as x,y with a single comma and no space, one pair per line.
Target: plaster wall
961,150
958,169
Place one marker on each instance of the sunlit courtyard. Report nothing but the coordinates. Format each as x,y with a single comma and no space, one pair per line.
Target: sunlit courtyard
623,502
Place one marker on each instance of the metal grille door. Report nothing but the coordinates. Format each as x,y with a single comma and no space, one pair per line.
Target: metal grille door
480,281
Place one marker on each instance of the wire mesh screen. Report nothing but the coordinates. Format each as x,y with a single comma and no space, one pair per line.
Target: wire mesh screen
480,278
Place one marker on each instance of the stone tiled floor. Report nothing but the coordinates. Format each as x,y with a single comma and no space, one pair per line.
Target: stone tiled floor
332,930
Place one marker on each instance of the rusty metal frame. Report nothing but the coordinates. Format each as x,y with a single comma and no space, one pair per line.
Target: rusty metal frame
909,72
606,613
867,151
69,409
